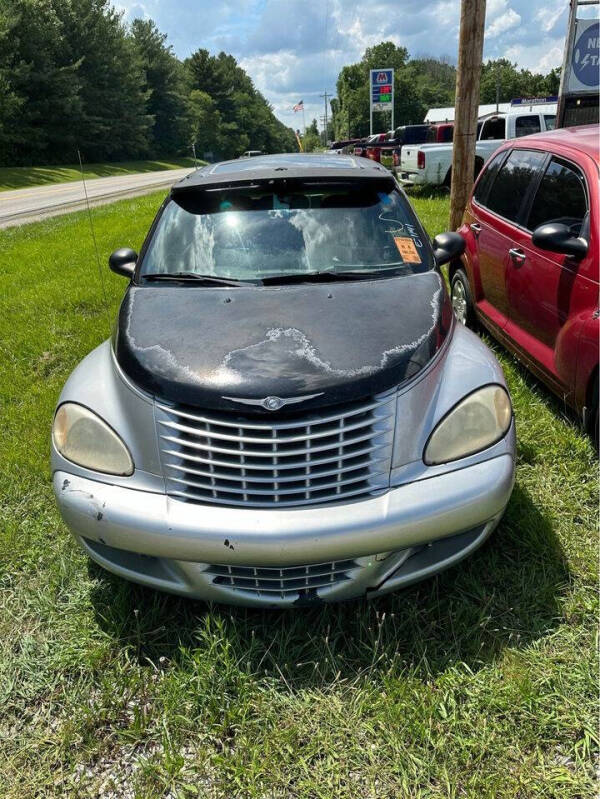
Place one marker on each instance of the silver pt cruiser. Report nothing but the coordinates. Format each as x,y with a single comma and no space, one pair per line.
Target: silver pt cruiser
287,412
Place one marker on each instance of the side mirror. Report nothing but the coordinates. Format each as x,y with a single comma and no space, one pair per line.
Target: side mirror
447,247
557,237
122,262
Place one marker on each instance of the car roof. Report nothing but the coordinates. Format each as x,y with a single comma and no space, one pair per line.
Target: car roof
287,165
584,138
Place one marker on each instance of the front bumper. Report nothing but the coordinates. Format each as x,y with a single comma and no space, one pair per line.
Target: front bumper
407,533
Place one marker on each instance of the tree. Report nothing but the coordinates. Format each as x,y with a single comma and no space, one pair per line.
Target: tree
73,76
434,81
312,138
246,120
39,84
202,121
164,84
513,82
114,122
352,111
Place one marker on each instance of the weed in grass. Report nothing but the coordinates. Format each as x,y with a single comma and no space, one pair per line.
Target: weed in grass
479,683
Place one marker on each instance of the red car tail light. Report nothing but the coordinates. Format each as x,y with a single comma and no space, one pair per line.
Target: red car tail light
421,160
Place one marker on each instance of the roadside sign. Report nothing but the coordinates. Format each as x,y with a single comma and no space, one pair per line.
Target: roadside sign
381,91
580,77
585,60
534,100
584,63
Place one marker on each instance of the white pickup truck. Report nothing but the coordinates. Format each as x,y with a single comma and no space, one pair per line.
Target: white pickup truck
432,163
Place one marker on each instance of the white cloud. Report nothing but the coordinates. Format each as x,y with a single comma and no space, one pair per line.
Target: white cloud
547,16
538,58
507,20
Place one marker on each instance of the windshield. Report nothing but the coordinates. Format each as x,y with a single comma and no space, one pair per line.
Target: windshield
254,233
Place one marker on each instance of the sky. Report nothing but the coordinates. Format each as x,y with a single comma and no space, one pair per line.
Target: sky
293,49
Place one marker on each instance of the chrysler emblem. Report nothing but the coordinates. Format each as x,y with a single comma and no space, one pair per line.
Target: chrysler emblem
273,403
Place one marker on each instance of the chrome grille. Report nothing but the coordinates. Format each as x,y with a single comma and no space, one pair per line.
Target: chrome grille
273,582
279,461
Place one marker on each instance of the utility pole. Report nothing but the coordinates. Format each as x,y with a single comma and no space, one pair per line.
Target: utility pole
325,96
470,52
498,83
324,123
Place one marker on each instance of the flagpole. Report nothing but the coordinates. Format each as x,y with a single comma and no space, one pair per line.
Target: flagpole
303,118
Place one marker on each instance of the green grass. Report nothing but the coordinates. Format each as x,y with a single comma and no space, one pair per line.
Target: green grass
20,177
481,682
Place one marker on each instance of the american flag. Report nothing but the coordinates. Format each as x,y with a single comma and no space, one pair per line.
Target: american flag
299,106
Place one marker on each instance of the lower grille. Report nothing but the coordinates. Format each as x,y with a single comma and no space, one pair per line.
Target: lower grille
283,583
282,460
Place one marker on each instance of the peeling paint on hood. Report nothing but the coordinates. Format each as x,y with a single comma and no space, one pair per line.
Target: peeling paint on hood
198,345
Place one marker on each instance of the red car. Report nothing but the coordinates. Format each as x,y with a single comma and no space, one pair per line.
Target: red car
529,274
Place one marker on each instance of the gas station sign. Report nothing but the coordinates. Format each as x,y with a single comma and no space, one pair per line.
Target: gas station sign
381,91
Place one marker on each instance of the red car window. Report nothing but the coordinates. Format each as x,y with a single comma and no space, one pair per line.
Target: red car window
509,189
561,197
487,178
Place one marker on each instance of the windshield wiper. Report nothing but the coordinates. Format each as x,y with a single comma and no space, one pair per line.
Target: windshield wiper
329,276
194,277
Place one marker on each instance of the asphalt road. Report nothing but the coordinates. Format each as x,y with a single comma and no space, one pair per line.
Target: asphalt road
20,206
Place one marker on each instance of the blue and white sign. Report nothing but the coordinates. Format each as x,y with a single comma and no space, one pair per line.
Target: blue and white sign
584,73
382,89
552,100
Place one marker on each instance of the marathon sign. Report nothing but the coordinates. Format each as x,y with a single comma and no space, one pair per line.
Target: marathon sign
382,89
584,63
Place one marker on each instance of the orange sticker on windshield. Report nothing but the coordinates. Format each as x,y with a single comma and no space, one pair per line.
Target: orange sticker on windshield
408,251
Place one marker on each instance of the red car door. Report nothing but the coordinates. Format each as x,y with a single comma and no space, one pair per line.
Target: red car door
497,203
545,289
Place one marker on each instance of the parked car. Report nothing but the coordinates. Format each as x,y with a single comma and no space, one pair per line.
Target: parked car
252,153
431,164
529,273
287,412
387,150
412,134
405,135
361,147
342,145
440,133
384,144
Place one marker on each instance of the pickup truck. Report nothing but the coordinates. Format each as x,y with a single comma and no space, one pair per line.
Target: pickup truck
431,164
440,133
387,151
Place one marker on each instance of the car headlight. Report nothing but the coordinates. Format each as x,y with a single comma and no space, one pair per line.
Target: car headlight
84,438
476,422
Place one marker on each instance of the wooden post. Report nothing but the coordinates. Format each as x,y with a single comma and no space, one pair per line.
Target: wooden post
468,76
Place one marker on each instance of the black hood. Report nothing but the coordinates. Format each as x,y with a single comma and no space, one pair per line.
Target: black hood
341,341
